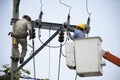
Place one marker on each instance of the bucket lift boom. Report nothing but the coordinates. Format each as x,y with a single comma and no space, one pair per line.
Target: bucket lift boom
112,58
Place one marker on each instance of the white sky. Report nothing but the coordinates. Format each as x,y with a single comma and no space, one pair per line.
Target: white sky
105,21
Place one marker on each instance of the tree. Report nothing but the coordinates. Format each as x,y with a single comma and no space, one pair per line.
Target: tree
7,74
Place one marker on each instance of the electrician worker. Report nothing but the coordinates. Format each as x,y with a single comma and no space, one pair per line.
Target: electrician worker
79,31
20,37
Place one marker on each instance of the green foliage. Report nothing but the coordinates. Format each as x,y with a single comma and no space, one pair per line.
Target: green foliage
7,71
26,71
6,68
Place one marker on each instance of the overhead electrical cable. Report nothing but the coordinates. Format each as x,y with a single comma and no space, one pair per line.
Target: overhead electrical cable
34,59
66,6
33,50
41,5
39,35
59,64
88,20
63,54
76,76
49,58
87,8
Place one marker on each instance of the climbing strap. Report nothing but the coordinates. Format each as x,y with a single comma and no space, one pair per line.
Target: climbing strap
18,35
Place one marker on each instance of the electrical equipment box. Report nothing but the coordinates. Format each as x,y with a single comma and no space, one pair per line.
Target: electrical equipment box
88,55
69,50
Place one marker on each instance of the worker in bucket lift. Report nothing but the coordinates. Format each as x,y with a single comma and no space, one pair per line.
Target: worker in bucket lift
79,31
20,37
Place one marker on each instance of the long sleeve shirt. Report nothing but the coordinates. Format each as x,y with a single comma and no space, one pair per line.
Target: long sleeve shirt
22,26
78,34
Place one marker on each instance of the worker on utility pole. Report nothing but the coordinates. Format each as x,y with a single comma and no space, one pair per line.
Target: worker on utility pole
20,37
79,31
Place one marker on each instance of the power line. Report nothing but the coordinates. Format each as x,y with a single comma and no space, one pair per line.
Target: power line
39,35
76,76
63,54
66,6
49,58
59,61
34,60
87,8
41,5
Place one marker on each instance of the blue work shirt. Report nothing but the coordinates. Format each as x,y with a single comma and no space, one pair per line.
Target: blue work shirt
78,34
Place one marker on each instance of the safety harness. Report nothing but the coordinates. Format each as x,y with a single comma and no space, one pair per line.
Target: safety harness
15,36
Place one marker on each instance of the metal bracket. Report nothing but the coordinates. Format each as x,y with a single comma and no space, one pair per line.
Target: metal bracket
13,20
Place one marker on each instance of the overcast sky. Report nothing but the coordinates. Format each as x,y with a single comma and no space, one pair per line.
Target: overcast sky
105,22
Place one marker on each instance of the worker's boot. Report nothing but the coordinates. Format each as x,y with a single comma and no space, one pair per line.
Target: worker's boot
21,60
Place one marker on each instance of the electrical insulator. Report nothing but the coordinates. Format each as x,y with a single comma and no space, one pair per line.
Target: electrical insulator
65,24
33,33
88,26
61,36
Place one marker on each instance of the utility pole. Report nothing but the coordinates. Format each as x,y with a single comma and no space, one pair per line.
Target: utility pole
14,64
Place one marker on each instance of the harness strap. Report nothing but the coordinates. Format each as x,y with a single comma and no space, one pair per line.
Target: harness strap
18,35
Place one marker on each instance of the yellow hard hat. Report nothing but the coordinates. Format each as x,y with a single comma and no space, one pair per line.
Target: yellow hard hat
81,25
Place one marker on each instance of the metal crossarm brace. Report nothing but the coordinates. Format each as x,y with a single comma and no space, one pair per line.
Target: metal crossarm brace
38,50
48,25
54,26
